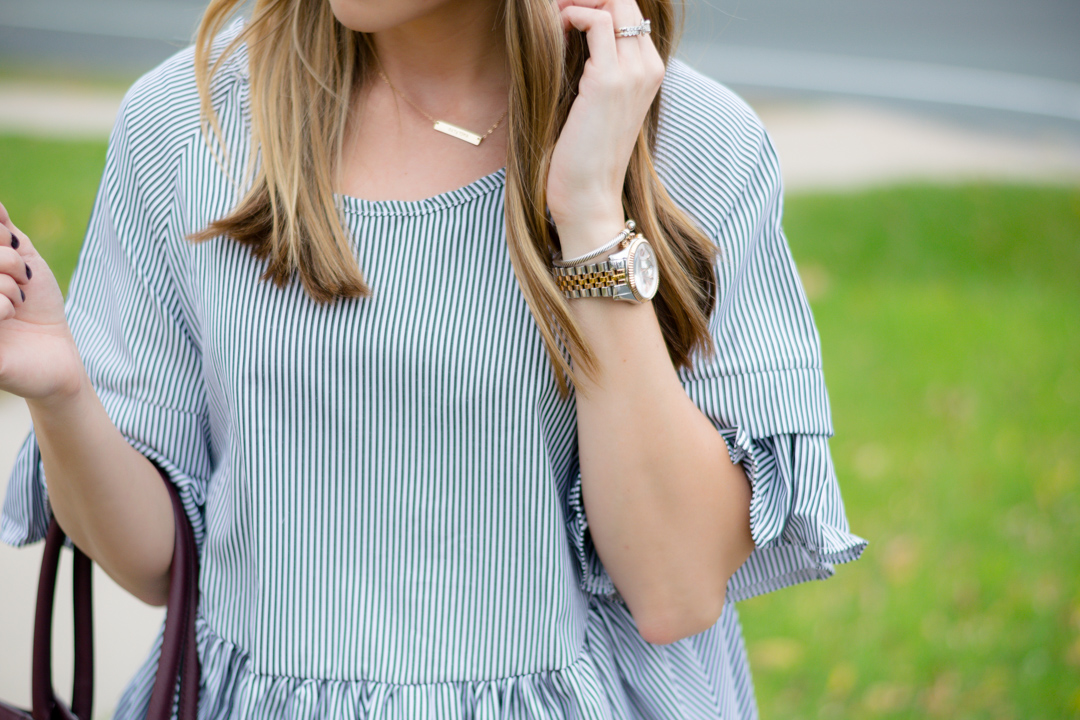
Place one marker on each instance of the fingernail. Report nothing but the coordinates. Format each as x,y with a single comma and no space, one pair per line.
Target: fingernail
29,272
14,242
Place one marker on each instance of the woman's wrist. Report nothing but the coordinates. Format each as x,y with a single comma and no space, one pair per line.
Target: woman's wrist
586,230
66,397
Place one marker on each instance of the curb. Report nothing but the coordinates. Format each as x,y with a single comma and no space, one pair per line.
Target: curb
822,145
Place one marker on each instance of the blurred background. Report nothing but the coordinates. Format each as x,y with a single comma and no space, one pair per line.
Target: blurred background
931,155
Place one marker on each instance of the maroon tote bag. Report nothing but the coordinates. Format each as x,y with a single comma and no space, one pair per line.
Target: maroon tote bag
177,682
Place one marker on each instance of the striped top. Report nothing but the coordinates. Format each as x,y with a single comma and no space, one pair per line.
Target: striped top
385,491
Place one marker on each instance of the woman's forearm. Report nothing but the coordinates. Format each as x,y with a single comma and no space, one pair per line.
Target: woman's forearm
668,511
108,497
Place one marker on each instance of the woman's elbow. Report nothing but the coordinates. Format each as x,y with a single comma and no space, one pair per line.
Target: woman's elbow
671,624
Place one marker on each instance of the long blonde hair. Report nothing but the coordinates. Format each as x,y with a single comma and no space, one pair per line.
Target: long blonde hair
303,68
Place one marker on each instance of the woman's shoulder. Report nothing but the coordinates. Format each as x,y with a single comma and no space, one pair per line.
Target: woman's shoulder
161,109
710,141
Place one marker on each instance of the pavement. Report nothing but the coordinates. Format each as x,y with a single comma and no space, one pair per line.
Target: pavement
838,144
823,145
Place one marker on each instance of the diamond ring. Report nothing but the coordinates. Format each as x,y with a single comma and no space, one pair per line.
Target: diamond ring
634,30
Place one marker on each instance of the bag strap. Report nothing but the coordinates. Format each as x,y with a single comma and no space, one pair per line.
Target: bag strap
189,669
178,667
45,704
82,691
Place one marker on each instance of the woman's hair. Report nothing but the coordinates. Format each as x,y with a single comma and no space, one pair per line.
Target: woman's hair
303,69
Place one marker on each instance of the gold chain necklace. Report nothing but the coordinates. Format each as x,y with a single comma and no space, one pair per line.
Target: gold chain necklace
441,125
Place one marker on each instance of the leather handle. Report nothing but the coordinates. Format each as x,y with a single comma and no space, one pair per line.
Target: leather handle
82,691
178,667
189,668
45,704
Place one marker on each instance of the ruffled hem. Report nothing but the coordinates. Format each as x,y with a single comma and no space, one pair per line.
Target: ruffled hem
593,578
797,519
617,676
26,511
743,450
236,692
230,689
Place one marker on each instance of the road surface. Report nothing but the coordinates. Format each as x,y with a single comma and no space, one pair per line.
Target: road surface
1019,60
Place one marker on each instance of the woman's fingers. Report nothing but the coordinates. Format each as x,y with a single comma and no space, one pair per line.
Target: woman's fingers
12,237
14,265
636,58
13,272
9,237
624,13
14,268
17,255
599,33
11,296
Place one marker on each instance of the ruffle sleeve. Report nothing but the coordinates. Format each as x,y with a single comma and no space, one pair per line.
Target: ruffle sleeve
134,328
764,391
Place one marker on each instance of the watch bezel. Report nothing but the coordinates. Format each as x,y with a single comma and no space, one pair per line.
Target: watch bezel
631,269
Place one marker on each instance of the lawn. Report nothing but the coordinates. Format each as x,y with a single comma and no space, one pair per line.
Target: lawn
950,321
48,187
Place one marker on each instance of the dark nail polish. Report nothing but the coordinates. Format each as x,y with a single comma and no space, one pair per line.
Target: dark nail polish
29,272
23,294
14,242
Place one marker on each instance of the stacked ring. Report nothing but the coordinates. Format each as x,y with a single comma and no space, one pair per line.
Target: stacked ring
634,30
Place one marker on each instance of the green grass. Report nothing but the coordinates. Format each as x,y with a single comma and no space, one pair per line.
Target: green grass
950,321
48,188
62,75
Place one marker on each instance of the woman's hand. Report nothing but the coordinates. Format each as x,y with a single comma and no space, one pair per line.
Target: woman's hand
38,357
619,82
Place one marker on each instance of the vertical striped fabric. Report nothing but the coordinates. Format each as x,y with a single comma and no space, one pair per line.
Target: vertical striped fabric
386,491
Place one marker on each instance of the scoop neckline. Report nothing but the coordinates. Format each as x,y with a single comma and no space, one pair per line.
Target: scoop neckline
477,188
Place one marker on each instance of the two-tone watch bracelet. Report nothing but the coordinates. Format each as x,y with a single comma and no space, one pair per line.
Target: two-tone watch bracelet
589,280
628,272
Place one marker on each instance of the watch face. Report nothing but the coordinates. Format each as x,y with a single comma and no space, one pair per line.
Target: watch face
646,275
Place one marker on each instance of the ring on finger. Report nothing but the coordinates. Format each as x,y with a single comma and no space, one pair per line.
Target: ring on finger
644,28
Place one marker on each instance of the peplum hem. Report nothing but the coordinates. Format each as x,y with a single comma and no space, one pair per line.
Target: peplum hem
230,689
616,676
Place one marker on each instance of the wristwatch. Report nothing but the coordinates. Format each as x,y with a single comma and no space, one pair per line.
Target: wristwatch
630,274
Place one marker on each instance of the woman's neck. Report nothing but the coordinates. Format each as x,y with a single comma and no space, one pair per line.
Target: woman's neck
450,61
451,58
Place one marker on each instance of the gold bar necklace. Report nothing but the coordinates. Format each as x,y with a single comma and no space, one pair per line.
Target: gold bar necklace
441,125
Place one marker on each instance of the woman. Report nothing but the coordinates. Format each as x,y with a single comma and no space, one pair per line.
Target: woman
428,478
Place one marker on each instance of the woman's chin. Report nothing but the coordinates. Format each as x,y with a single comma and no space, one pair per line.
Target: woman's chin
372,16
